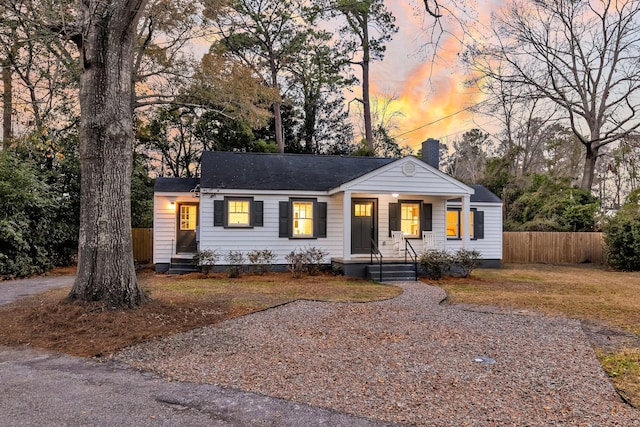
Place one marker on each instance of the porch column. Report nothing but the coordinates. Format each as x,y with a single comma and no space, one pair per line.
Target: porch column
464,221
346,206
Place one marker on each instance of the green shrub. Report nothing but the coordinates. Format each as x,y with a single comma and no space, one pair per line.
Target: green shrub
206,259
305,261
235,261
436,263
296,262
440,263
622,236
315,256
465,261
38,217
261,260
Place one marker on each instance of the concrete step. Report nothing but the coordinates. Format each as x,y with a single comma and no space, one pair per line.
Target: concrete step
182,270
392,272
182,266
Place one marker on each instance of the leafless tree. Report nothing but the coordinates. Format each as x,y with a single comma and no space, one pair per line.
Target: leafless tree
581,56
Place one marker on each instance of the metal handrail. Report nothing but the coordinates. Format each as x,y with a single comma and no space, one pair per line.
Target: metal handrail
414,257
171,256
376,251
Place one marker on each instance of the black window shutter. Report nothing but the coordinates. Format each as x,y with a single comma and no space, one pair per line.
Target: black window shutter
478,224
320,222
394,217
285,226
427,216
218,213
258,215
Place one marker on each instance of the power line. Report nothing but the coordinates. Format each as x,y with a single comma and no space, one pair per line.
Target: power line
445,117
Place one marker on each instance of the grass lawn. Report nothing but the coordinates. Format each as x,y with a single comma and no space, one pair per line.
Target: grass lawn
607,302
178,303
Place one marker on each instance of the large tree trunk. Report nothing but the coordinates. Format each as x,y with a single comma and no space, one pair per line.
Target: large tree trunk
277,114
590,159
366,99
105,264
277,119
7,103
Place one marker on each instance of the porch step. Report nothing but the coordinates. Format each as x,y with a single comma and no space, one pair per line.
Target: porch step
392,272
182,266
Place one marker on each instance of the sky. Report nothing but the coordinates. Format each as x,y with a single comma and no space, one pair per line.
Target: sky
426,91
429,98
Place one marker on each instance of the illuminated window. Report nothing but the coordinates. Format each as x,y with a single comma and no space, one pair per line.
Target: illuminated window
363,209
188,217
302,219
410,219
453,224
238,213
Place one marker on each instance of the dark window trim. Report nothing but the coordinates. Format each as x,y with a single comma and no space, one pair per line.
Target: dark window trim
319,219
227,199
221,212
313,201
421,219
459,210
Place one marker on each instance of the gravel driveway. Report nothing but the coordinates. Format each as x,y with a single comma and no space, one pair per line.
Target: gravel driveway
408,360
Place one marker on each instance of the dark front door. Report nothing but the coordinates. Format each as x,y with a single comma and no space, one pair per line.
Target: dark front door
187,222
363,225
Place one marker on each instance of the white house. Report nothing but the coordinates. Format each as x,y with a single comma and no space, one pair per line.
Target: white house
347,206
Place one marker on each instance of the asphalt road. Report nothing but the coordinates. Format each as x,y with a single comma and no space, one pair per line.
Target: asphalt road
10,290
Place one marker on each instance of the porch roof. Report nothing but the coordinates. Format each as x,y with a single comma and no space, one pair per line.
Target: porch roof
482,195
175,185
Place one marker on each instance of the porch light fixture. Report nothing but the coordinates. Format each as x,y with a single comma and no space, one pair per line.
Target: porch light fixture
394,195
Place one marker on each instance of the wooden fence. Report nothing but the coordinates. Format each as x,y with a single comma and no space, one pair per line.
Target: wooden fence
553,248
142,244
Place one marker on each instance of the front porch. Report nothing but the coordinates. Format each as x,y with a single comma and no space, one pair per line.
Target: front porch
407,196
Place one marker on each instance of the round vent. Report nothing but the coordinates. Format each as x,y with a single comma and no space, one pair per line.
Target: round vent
409,169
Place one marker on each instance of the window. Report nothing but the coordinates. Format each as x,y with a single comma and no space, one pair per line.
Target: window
363,209
476,223
303,219
410,219
188,217
238,212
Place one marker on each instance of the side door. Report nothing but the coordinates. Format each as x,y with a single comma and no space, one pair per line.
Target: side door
187,222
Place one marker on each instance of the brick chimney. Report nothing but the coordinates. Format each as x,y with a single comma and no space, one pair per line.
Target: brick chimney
431,152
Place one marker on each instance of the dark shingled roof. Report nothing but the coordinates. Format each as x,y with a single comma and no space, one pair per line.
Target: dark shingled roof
266,171
171,185
482,195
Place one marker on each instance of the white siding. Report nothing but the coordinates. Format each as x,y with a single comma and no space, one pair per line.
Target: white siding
385,244
164,224
491,246
224,240
392,179
245,240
